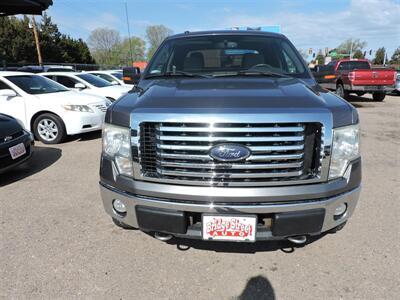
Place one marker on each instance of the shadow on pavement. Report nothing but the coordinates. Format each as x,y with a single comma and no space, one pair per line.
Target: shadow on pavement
358,101
257,288
84,136
237,247
42,158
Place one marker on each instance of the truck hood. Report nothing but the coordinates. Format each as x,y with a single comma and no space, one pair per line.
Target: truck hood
231,95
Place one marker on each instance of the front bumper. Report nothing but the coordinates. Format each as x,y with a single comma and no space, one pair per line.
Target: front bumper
6,162
79,122
306,200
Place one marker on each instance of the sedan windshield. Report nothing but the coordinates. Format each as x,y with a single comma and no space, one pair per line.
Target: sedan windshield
118,75
221,55
94,80
34,84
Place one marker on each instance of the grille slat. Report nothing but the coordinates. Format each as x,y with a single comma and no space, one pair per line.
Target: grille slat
179,152
214,166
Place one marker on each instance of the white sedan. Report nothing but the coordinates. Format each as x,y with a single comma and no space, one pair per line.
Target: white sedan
112,76
48,109
88,83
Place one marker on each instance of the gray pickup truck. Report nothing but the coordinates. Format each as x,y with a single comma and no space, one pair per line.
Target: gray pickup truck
228,137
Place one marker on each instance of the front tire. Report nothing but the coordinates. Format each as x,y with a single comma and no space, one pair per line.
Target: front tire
49,129
378,96
340,91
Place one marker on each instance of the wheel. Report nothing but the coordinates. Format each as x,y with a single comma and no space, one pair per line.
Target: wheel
378,96
123,225
49,129
340,91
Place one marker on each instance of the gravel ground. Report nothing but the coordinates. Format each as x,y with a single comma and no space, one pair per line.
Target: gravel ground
56,242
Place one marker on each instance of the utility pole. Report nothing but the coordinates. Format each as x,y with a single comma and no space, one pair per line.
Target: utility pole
129,33
35,33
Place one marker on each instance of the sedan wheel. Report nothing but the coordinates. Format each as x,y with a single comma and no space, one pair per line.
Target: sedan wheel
47,130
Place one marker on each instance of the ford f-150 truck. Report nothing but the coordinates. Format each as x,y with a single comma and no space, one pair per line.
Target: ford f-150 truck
228,137
347,76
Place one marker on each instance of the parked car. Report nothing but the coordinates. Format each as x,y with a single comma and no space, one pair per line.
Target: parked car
89,84
356,76
48,109
112,76
396,90
228,136
15,143
45,68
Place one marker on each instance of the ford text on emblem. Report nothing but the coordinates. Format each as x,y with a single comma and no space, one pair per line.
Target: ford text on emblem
229,152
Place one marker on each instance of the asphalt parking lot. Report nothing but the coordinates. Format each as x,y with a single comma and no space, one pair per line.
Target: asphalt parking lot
58,243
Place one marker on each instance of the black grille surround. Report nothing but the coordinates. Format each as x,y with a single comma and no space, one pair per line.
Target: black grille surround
178,153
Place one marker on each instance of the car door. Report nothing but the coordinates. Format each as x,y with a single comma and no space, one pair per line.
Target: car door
13,106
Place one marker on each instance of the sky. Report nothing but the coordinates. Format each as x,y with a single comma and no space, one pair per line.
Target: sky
307,23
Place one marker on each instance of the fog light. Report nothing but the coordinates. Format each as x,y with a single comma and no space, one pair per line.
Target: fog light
119,206
340,210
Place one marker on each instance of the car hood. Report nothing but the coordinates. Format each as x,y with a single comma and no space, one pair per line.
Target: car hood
232,95
8,126
115,91
71,97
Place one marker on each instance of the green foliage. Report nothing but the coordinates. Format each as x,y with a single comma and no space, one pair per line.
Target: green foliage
358,54
108,48
17,43
379,56
351,45
395,59
155,35
320,59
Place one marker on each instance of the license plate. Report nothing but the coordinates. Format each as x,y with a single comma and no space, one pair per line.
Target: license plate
229,228
17,150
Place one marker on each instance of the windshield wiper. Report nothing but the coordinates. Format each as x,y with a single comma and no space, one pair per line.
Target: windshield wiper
176,73
254,73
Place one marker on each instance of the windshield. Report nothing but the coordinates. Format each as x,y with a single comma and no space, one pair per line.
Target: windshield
94,80
118,75
227,54
34,84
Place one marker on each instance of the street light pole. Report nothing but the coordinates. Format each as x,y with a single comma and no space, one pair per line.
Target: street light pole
35,34
129,32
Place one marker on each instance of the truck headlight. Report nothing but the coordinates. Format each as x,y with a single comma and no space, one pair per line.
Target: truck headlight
345,148
80,108
117,146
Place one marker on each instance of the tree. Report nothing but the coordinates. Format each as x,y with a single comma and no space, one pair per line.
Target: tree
103,42
351,46
17,44
395,59
379,56
155,35
138,49
358,54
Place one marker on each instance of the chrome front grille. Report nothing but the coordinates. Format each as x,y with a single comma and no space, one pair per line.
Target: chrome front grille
280,152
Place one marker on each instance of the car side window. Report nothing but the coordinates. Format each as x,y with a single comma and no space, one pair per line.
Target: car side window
67,81
4,86
343,66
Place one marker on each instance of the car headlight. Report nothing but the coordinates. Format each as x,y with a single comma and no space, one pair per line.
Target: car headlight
80,108
117,146
345,148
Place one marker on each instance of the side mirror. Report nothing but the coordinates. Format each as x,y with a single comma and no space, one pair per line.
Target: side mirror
131,75
80,86
8,93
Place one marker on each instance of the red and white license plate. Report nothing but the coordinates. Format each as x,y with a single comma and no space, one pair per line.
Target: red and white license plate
229,228
17,150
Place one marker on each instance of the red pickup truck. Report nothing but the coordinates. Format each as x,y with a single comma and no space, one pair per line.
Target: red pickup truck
356,76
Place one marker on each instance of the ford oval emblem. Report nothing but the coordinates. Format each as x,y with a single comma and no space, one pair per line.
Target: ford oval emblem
229,152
